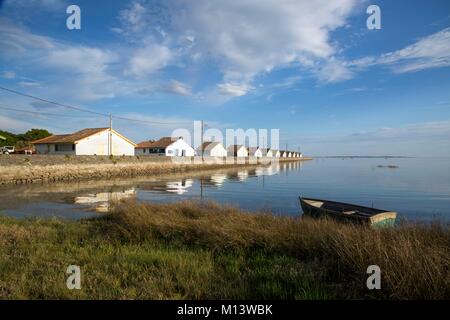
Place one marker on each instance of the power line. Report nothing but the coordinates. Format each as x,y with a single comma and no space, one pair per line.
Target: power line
39,112
150,122
52,102
89,111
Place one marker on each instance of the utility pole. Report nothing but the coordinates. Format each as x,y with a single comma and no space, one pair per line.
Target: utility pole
110,136
201,140
263,146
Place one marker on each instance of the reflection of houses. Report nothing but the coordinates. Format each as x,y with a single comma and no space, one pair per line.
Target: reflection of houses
215,180
255,152
175,186
212,149
101,201
166,146
267,171
218,179
240,175
179,187
91,141
237,150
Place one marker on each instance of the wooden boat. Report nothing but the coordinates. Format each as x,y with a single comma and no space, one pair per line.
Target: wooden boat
347,212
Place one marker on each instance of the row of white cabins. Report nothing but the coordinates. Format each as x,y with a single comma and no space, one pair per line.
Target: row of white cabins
105,141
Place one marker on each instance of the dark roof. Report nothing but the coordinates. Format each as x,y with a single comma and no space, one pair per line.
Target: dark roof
209,145
144,144
70,138
254,149
162,143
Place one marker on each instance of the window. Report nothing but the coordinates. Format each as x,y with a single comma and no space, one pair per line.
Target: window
64,147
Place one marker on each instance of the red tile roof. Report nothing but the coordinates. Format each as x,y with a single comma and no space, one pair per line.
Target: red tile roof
70,138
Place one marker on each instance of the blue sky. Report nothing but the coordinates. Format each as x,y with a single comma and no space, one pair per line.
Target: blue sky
309,68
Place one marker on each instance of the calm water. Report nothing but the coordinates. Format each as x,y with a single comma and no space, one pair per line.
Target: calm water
417,189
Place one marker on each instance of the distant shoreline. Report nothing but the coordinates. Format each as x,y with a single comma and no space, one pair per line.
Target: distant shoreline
368,157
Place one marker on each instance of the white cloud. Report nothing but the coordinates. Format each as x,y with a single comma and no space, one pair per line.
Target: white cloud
141,19
83,60
15,40
29,84
177,88
251,37
42,4
235,90
133,18
13,124
333,71
243,38
148,60
80,72
8,74
432,51
89,69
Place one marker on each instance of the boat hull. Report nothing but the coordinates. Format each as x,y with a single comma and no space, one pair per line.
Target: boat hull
315,208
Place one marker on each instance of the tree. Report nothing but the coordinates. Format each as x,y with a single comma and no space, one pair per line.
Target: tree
35,134
23,139
11,138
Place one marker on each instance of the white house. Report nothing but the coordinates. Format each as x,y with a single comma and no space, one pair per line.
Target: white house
284,154
275,153
267,152
91,141
166,146
255,152
212,149
237,150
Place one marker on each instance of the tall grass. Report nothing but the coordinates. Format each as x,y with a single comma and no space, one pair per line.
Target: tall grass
414,258
190,250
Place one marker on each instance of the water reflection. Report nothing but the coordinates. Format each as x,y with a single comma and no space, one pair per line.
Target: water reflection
101,201
179,187
415,189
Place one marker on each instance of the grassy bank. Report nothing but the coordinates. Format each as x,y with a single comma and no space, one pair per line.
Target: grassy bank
193,251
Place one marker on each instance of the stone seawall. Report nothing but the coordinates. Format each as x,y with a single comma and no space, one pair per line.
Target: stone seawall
20,169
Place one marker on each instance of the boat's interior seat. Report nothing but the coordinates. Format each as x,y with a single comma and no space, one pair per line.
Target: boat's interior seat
318,204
